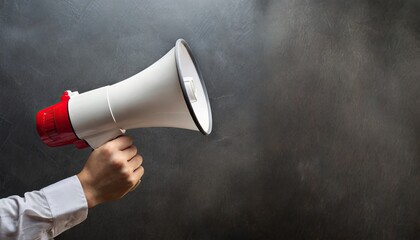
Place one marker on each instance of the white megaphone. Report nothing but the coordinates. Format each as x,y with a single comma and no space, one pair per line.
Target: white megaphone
169,93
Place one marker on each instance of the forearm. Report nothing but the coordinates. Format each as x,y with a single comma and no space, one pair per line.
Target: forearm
45,213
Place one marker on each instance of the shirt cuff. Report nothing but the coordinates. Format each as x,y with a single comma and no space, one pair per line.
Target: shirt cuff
67,202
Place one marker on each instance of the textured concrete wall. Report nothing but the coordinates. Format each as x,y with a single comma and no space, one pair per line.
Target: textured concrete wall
316,110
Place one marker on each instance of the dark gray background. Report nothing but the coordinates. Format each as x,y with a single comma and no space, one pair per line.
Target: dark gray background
316,108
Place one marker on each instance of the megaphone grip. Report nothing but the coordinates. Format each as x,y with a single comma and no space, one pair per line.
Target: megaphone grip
100,139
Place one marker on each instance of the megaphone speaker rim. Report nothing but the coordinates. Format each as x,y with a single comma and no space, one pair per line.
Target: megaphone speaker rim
178,45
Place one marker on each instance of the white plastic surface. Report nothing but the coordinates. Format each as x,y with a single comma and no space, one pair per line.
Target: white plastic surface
151,98
200,106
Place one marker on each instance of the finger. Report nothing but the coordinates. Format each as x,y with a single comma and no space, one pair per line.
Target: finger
135,186
135,162
139,172
123,142
129,152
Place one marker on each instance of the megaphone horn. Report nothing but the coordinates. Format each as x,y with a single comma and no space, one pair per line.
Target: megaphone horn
169,93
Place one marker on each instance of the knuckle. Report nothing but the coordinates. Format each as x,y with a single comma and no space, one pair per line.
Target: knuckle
117,163
126,174
107,149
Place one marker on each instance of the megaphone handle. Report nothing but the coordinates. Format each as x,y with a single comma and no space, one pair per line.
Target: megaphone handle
100,139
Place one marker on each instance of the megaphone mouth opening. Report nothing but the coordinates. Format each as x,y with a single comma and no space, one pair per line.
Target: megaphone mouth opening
186,91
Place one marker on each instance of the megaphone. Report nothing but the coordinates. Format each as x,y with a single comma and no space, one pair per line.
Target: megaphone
169,93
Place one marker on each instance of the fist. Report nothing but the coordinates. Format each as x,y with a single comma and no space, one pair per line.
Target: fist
111,171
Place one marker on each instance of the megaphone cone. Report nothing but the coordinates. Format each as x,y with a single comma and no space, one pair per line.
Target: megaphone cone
169,93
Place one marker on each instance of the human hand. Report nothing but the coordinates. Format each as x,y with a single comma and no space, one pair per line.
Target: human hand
111,171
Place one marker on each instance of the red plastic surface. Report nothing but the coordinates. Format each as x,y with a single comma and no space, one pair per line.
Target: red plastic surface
54,126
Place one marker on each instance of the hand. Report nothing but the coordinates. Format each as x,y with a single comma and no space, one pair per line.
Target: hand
111,171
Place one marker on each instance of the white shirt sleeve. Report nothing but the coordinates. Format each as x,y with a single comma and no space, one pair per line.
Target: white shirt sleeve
43,214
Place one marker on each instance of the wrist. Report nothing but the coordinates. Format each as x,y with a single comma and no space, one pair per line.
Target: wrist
89,190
